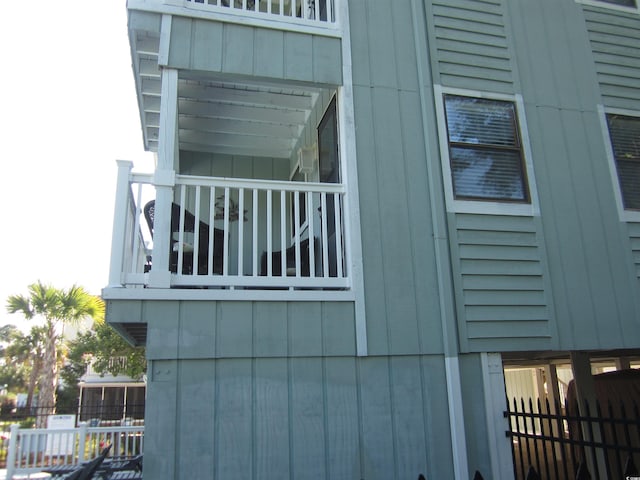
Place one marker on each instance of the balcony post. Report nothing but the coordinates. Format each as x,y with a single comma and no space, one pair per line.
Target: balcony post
119,223
164,179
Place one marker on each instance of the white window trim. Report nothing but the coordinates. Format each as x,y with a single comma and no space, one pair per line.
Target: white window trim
482,206
611,6
624,215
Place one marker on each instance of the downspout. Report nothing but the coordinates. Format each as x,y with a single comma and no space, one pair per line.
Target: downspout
442,261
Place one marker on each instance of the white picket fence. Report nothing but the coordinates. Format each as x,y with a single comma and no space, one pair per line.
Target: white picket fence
32,450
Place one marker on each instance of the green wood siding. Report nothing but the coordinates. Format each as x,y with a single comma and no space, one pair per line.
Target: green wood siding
470,47
500,282
634,235
298,418
235,49
615,37
552,53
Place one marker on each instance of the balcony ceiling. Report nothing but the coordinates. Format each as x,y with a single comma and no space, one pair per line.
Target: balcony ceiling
218,115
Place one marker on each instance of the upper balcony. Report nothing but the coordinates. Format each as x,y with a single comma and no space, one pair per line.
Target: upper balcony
229,238
242,102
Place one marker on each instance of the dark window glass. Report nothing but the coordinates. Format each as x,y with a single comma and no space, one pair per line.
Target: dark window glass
624,3
624,132
484,150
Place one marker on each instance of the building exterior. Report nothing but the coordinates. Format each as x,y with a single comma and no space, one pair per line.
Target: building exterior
111,399
360,210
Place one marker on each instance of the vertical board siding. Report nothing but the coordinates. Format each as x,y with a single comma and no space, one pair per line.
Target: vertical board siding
228,48
500,284
239,329
301,418
615,41
471,45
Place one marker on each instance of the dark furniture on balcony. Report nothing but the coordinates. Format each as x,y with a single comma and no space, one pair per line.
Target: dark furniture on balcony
203,241
276,260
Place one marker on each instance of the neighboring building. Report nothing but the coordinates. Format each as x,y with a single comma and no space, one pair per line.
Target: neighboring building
107,399
455,185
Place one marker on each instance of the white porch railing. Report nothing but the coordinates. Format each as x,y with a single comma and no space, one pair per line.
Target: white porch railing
307,12
232,233
32,450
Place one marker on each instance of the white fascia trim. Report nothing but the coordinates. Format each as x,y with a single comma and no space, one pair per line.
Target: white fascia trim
624,215
120,293
610,6
348,164
485,207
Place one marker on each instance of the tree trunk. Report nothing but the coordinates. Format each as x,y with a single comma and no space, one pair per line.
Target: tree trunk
36,367
48,379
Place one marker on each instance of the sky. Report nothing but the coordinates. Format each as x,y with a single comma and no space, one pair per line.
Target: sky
68,111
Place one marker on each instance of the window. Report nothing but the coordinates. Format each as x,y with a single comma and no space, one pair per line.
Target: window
622,3
485,150
328,160
624,133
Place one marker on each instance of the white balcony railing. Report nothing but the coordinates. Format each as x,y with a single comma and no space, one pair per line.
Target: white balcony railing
321,13
230,233
33,450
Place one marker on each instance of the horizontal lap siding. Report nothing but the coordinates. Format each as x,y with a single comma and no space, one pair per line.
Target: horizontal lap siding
500,282
614,38
470,46
634,235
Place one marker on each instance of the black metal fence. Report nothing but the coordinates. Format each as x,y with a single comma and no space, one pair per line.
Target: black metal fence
101,413
560,443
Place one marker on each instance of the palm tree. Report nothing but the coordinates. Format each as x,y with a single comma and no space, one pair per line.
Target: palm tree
57,308
27,350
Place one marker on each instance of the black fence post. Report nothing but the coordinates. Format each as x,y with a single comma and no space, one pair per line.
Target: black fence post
583,472
477,476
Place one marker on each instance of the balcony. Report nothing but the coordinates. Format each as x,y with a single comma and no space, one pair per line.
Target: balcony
231,94
226,237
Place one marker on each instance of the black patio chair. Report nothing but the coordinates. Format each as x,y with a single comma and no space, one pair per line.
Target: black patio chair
203,241
84,471
290,255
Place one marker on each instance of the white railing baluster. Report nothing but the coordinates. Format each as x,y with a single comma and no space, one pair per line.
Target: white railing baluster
240,231
312,248
183,189
296,223
325,244
338,222
254,241
212,217
283,233
269,233
196,233
136,231
225,264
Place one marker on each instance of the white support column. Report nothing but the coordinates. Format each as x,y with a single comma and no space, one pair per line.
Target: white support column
456,418
586,392
119,224
164,179
349,173
497,424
